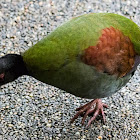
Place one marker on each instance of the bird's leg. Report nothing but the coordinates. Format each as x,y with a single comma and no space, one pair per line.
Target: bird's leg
94,107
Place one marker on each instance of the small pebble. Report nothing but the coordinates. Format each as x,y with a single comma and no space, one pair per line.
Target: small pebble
100,137
77,134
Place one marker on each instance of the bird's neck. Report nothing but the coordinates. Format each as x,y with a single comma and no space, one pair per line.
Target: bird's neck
21,67
15,65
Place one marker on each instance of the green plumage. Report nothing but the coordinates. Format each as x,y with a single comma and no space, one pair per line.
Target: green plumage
56,59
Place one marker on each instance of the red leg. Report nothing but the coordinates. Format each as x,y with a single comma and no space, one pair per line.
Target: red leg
95,106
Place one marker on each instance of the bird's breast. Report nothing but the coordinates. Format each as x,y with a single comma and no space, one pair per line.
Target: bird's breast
83,80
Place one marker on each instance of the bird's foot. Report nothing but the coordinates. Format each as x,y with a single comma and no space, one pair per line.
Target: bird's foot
94,107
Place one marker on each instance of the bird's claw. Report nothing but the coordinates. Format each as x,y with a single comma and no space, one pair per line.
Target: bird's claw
94,107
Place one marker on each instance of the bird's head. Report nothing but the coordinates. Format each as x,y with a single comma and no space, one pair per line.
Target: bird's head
11,67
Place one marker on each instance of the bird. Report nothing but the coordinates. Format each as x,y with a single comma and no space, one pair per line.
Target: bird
90,56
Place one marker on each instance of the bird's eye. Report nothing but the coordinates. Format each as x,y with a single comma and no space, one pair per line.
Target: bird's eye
2,76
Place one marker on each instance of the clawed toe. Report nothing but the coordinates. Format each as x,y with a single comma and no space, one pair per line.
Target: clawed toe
94,107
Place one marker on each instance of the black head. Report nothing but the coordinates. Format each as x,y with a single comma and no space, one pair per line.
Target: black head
11,67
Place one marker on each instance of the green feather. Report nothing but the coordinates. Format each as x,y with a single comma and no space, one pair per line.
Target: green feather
52,60
68,40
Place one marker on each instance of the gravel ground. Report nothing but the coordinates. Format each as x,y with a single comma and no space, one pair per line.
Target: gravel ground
33,110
